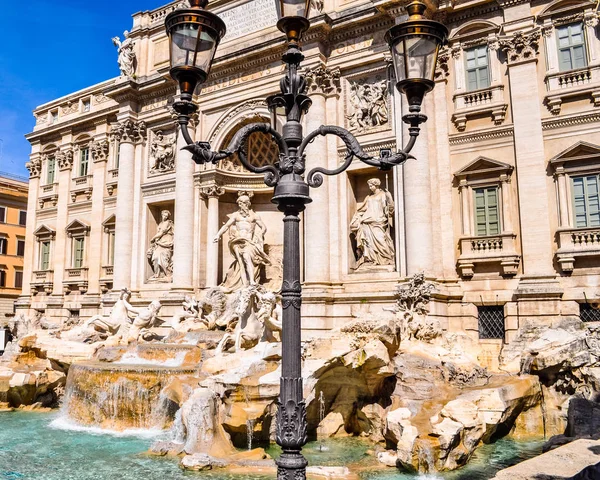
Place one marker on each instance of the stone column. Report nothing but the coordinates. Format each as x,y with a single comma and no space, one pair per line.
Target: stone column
211,194
417,201
563,201
99,149
127,133
321,83
35,170
507,226
183,250
61,250
464,192
536,235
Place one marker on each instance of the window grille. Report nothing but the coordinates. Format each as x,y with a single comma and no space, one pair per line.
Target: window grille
491,322
589,312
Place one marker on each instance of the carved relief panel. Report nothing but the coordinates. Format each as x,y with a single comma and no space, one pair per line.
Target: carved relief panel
367,103
162,152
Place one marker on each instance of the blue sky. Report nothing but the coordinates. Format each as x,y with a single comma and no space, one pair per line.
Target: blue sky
49,49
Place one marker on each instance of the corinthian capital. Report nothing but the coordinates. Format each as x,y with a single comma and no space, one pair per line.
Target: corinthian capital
35,167
211,191
321,79
129,131
100,151
521,47
64,159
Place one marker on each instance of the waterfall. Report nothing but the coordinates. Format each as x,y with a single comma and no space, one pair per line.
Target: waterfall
321,417
250,431
119,397
526,365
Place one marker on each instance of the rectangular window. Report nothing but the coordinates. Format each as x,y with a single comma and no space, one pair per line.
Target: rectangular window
50,170
571,47
20,248
589,312
22,218
85,105
478,72
487,216
3,245
78,245
54,116
491,322
84,160
2,214
45,255
18,279
586,201
2,278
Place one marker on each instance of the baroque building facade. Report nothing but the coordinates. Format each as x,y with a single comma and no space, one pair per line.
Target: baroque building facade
499,206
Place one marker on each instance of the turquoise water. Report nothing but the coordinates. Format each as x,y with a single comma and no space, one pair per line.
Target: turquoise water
31,448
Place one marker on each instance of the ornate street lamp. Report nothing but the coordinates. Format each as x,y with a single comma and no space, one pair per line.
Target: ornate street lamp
194,34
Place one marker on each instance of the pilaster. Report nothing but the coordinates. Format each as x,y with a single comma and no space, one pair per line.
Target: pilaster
211,194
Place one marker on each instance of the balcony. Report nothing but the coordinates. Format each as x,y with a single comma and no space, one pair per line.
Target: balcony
498,249
574,83
48,193
106,281
81,186
75,279
487,101
111,181
576,244
43,280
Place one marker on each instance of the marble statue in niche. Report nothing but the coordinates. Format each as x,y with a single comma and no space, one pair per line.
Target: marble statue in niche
162,153
160,253
127,60
368,105
246,244
371,225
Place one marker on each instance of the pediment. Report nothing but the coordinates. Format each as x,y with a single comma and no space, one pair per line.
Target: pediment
581,151
474,28
44,231
564,6
110,222
484,165
77,226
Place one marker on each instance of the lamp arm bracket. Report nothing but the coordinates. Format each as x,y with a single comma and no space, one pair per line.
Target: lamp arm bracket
202,153
386,161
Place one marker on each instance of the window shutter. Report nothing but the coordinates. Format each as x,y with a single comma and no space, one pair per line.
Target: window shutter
593,201
472,80
492,211
45,260
579,202
578,57
78,258
480,219
83,166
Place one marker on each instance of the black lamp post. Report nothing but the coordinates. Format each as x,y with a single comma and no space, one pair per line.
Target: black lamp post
195,34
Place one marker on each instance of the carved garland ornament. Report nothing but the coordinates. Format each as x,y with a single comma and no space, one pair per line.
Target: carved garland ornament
321,79
442,69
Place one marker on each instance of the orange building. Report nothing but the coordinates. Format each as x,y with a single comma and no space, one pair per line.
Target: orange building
13,218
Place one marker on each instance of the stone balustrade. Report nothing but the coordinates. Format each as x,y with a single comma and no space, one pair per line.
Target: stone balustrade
487,101
43,280
112,181
577,243
492,249
75,279
574,83
48,194
82,186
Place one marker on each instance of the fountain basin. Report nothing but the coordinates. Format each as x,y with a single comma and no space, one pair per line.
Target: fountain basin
120,397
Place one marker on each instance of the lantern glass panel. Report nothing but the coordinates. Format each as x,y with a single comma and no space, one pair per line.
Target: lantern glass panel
293,8
192,46
415,57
